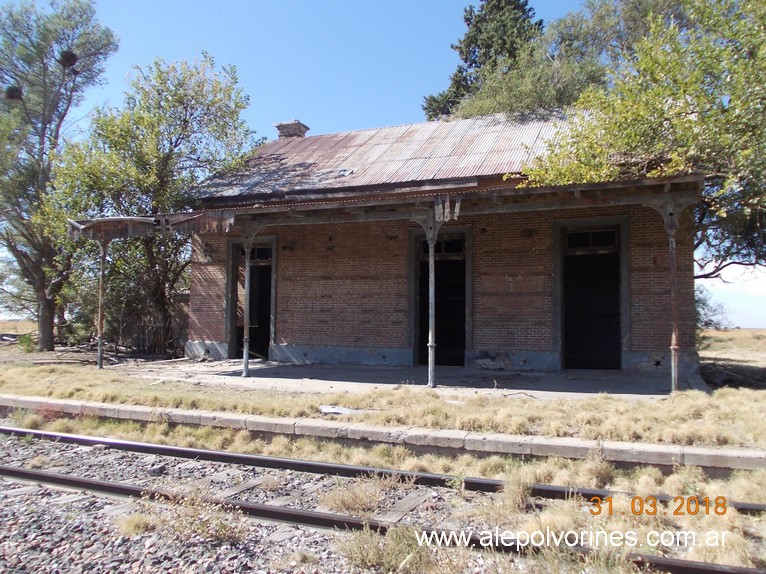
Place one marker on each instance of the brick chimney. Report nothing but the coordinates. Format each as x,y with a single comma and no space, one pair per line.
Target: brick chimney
293,129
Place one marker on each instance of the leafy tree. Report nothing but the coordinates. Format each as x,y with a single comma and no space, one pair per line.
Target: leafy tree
709,316
686,100
573,54
180,123
497,31
47,60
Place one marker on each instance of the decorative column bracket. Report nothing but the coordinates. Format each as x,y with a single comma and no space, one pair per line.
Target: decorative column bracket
442,209
431,224
670,209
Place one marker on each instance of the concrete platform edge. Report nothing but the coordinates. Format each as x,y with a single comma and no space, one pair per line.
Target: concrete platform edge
452,439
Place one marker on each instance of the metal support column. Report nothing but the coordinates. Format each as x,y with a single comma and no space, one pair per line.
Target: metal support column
670,210
431,239
103,245
246,329
431,223
671,229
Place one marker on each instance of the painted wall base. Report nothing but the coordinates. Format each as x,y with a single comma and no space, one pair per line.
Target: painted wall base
329,355
499,360
659,361
214,349
688,361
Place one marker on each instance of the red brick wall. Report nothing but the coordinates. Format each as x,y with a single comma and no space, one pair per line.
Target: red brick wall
513,278
207,291
342,285
512,282
347,284
650,282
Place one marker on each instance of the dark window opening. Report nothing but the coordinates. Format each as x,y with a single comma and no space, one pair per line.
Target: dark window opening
600,240
446,246
258,254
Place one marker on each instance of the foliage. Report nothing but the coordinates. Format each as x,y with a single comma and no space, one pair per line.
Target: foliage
555,68
686,99
708,315
180,122
16,296
497,31
26,343
47,60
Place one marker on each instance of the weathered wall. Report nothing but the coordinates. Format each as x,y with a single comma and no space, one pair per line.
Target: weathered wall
345,284
343,292
207,296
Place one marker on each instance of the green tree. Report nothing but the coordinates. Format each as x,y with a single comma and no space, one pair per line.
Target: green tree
573,54
180,123
497,31
687,99
47,61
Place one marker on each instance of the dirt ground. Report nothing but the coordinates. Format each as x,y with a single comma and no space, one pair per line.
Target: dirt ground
733,358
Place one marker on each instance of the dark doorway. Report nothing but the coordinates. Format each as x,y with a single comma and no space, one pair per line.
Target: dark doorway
260,304
592,329
450,301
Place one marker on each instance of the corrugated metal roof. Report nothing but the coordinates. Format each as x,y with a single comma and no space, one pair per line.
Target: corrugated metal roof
406,154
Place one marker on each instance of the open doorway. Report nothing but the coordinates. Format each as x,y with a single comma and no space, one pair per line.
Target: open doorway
450,287
260,302
591,298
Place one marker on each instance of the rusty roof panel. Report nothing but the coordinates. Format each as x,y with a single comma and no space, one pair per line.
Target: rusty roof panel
439,150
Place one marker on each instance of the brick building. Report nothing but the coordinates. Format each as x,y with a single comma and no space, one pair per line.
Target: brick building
325,243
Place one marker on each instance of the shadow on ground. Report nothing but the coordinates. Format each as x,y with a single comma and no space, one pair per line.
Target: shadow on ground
574,381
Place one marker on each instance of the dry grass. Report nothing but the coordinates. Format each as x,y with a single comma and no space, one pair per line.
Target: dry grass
193,516
361,496
728,417
18,326
37,462
742,485
397,551
561,560
511,509
747,340
135,524
355,498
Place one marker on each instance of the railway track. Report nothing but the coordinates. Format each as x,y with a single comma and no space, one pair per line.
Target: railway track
315,518
473,484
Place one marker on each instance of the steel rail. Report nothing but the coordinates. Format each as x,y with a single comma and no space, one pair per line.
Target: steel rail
333,521
475,484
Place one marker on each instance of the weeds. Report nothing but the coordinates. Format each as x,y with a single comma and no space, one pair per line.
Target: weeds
38,462
355,497
362,496
457,482
135,524
194,514
397,551
730,417
27,343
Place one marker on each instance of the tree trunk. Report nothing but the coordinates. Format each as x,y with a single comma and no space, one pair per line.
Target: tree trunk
46,311
164,333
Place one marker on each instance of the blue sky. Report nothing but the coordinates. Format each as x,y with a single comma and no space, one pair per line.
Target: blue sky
336,65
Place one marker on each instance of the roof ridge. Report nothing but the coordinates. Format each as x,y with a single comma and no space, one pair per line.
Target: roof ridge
447,120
